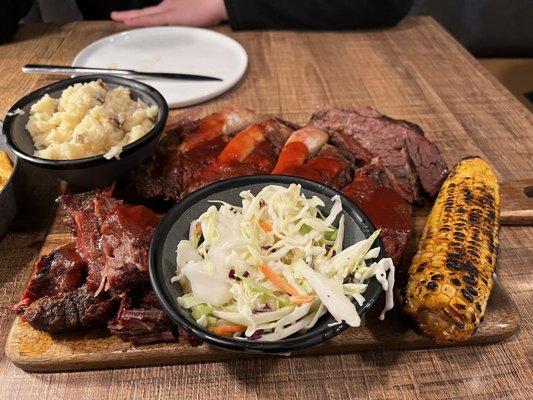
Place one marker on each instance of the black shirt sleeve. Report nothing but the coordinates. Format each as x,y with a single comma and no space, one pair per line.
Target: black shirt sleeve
11,12
315,14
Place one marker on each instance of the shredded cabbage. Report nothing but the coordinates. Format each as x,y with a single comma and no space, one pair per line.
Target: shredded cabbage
275,265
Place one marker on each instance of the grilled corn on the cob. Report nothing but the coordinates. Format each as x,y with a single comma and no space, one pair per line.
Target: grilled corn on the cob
450,278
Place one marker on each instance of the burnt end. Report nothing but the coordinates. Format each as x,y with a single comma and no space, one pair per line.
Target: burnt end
142,321
61,271
79,309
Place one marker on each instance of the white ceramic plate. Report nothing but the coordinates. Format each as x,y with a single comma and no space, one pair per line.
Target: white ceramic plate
172,49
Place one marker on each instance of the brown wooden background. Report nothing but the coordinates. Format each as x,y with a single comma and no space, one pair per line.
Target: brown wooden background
414,71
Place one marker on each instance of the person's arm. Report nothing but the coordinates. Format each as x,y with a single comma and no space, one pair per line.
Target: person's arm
175,12
270,14
11,12
315,14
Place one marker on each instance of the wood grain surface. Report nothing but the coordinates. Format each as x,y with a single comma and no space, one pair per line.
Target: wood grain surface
414,71
33,350
517,202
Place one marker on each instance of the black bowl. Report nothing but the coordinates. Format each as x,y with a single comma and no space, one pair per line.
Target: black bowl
8,194
175,227
94,171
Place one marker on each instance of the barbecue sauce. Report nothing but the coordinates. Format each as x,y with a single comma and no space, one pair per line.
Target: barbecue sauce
387,211
323,169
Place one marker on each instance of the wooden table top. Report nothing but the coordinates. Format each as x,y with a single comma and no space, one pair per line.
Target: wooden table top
414,71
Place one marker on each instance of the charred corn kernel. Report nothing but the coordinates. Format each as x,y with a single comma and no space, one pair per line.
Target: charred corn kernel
450,278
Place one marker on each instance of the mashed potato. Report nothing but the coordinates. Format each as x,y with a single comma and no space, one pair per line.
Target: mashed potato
88,120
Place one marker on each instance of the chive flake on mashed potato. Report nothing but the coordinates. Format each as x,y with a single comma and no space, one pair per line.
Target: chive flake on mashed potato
88,119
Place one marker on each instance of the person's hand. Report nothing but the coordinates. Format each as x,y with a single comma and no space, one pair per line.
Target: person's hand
176,12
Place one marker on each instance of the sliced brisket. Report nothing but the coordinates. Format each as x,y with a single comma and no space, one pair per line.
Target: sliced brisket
401,147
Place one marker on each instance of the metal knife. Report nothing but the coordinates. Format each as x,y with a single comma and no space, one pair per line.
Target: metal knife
66,70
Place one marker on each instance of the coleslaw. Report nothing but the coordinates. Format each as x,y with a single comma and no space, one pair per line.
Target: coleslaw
273,266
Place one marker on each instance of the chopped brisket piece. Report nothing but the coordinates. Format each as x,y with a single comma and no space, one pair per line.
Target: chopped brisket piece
83,214
414,161
189,337
61,271
155,337
112,237
110,255
78,309
142,321
126,233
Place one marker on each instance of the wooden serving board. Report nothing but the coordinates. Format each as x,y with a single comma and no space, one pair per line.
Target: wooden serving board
33,350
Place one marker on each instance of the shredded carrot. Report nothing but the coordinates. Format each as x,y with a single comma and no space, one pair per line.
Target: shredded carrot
300,299
265,225
227,330
279,281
